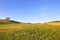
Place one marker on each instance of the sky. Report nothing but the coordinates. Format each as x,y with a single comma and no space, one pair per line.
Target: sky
33,11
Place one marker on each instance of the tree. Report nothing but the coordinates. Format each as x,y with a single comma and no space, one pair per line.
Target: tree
7,18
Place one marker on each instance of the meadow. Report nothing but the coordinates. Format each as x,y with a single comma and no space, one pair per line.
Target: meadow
29,32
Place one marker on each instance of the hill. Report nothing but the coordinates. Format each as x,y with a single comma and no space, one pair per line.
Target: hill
53,23
4,21
13,30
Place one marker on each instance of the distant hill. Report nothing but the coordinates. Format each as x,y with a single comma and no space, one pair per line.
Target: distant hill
4,21
52,23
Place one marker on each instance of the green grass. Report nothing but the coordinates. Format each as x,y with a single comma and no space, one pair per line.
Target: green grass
29,32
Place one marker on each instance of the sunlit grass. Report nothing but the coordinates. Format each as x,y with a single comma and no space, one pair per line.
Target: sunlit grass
29,32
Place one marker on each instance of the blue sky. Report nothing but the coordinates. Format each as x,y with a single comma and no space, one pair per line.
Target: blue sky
33,11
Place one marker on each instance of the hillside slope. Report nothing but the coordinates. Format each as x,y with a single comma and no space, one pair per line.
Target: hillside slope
53,23
3,21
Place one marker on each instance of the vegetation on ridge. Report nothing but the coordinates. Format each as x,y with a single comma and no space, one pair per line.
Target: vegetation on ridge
7,21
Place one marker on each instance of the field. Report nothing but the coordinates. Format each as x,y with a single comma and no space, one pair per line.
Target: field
29,32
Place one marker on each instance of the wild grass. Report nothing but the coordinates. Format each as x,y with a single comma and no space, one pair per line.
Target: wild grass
29,32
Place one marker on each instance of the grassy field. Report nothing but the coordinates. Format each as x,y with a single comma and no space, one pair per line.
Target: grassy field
29,32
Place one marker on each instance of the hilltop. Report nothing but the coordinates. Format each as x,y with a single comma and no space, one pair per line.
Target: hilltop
52,23
7,21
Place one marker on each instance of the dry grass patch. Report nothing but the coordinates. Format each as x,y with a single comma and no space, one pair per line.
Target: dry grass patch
8,29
